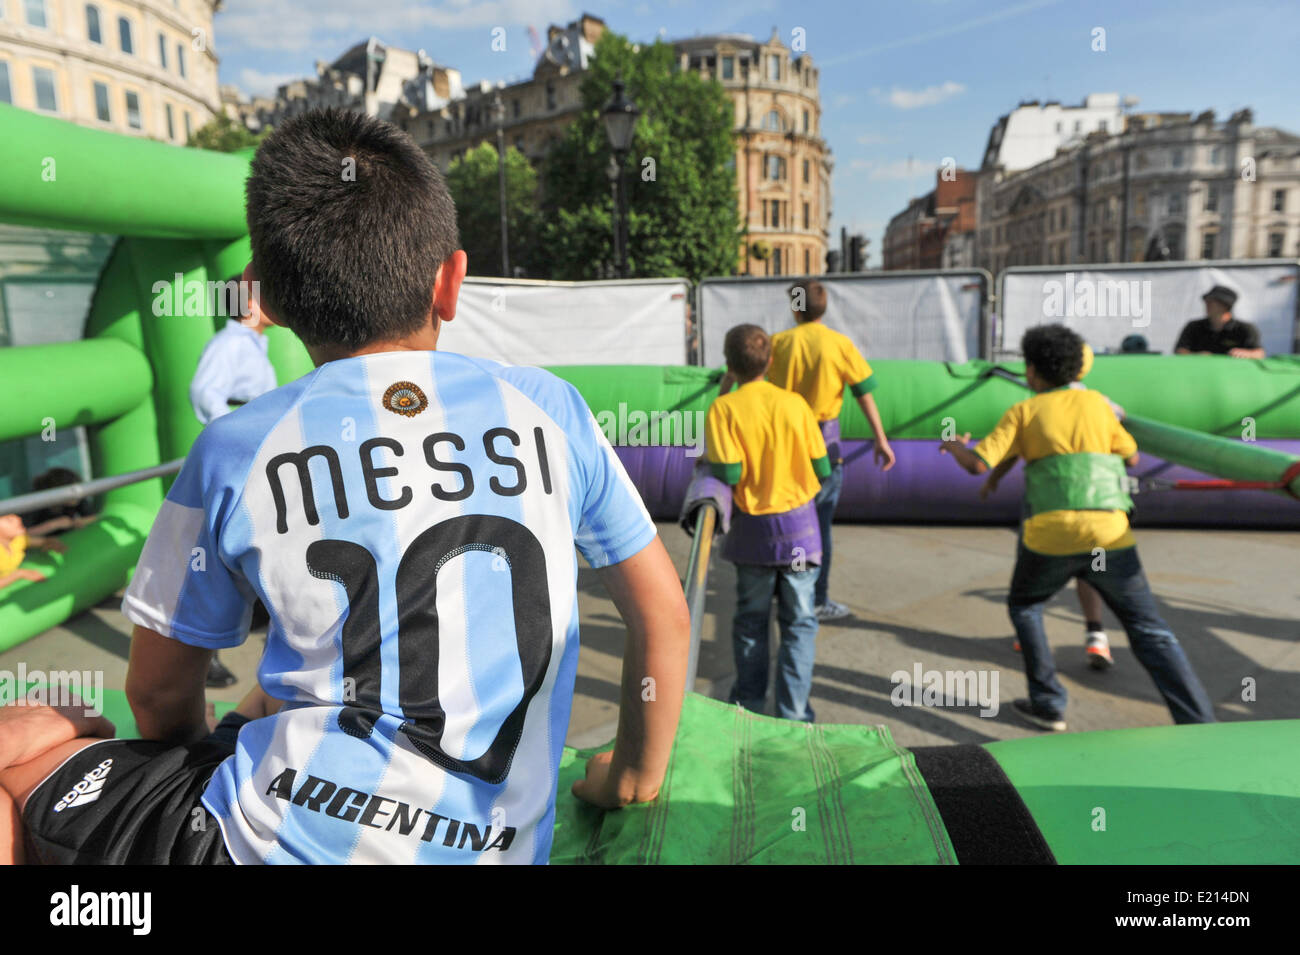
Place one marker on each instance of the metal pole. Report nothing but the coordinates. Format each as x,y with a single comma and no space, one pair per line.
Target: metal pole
697,576
26,503
622,217
612,173
501,177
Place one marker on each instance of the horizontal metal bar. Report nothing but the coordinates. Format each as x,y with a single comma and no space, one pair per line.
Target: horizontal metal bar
68,493
697,579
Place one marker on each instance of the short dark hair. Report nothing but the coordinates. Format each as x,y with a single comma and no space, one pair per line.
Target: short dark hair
814,299
349,221
747,349
1055,352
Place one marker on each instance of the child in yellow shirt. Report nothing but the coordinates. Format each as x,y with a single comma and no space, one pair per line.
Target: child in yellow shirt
764,442
1076,525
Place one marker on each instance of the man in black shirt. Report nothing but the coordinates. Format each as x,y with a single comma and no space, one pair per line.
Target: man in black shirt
1219,333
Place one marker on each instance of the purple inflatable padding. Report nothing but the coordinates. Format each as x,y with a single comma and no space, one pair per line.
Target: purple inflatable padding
925,486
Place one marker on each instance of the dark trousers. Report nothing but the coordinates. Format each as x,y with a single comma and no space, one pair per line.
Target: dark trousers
825,502
1123,586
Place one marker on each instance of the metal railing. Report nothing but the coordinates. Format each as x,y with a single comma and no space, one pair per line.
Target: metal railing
697,580
69,493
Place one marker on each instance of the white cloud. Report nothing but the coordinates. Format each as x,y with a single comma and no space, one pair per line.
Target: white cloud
897,169
329,26
911,99
257,83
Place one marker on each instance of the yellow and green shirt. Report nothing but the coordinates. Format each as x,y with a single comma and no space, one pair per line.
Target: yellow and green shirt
1064,421
818,362
764,441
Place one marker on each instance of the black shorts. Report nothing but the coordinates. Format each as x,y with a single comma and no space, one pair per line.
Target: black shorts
131,802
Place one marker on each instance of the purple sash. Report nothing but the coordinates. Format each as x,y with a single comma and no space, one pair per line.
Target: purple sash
831,435
788,539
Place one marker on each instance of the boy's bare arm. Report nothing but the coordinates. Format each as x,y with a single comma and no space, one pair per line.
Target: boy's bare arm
165,685
884,454
997,474
649,597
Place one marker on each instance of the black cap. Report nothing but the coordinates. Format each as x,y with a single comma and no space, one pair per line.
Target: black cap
1134,345
1223,295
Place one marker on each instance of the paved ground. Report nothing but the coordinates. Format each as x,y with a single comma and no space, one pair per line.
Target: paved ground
921,595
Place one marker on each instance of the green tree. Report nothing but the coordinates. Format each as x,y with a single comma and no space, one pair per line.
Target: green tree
680,173
224,135
474,182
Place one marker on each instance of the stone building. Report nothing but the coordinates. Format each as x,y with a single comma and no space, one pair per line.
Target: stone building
935,231
1168,187
140,67
783,166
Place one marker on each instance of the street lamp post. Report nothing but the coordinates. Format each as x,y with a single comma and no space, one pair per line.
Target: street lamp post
619,115
499,117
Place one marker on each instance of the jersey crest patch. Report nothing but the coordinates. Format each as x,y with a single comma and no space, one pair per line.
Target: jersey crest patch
405,398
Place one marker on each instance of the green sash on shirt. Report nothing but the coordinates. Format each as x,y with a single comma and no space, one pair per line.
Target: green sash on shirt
1076,482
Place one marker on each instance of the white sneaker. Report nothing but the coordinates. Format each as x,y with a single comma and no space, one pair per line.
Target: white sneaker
831,610
1097,647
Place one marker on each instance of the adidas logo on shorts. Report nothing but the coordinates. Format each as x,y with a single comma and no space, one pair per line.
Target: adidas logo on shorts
88,789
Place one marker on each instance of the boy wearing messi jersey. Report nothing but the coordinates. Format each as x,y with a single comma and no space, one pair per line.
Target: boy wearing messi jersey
1076,525
764,442
409,518
818,363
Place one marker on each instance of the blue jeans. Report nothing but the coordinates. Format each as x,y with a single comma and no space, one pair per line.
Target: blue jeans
1123,586
755,586
825,501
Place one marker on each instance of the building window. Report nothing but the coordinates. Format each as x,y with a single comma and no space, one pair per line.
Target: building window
773,67
1275,245
124,35
1102,125
92,25
1177,157
189,132
776,214
807,262
776,261
171,125
1065,217
1175,204
519,143
807,121
514,104
1058,127
1207,245
728,67
102,111
1211,199
1216,155
1078,125
162,50
806,171
35,10
180,60
550,94
6,94
772,121
805,216
776,167
47,98
1279,200
133,110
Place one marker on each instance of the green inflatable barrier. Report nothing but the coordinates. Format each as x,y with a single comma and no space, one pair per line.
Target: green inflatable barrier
916,399
750,789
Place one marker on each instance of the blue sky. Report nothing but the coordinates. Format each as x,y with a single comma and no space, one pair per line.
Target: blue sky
904,83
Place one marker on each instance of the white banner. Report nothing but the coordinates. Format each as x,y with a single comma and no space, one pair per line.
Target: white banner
933,316
632,322
1106,305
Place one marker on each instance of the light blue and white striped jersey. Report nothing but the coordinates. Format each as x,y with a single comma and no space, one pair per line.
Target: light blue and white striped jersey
409,521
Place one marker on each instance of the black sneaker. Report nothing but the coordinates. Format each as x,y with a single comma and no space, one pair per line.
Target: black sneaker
1053,724
219,676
